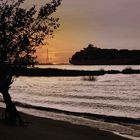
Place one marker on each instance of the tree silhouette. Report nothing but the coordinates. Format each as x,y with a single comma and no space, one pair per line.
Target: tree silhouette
21,32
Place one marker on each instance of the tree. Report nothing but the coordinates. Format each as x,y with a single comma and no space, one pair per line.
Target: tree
22,31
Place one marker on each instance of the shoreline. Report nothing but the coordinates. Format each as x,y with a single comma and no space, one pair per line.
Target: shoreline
91,116
44,128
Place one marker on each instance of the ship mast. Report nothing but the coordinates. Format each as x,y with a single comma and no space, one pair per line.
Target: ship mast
47,57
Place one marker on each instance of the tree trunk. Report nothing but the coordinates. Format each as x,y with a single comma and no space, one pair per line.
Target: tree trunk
11,114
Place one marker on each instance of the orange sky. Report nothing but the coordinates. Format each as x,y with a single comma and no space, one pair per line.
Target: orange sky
70,37
106,23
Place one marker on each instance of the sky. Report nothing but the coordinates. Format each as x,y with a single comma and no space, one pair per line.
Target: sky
104,23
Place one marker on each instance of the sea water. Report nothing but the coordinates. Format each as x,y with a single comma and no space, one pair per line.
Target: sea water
117,95
111,95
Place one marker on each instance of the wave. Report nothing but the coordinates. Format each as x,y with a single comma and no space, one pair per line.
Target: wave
106,118
107,106
90,97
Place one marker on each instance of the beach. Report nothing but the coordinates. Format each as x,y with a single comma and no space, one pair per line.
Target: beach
38,128
61,109
83,84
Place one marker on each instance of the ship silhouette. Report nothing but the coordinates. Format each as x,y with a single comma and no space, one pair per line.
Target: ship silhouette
98,56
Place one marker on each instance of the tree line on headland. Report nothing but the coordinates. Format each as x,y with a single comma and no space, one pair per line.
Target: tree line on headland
92,55
63,72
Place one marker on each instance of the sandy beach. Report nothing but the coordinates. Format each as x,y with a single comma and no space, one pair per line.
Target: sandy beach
47,129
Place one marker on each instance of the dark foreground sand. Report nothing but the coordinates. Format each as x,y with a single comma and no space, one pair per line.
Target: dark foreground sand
47,129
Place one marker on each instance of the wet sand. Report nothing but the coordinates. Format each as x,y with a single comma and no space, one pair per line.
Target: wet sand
47,129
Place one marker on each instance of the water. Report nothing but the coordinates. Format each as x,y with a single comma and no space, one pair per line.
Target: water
110,95
115,95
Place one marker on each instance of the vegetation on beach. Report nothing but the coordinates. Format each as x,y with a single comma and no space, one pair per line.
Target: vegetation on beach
22,31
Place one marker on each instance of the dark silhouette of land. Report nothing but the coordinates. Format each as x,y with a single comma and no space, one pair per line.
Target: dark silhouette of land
97,56
62,72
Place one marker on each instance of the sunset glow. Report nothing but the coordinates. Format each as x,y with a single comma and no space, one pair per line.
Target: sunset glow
107,24
70,69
